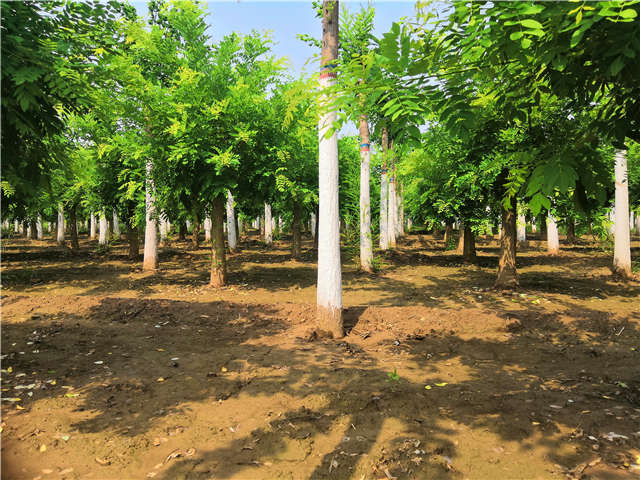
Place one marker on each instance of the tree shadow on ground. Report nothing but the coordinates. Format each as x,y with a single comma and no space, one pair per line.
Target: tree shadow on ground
347,408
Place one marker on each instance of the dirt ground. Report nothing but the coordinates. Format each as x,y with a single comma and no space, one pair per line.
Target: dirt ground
112,373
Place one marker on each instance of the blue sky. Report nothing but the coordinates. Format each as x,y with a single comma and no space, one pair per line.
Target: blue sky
285,20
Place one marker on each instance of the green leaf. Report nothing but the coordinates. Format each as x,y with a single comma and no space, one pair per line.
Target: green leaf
516,36
616,66
526,43
628,13
530,23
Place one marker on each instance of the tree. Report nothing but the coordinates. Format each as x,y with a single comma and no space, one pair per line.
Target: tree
329,267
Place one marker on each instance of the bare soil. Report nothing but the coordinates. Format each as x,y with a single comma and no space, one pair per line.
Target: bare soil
112,373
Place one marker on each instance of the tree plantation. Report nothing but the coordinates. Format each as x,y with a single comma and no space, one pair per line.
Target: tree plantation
410,252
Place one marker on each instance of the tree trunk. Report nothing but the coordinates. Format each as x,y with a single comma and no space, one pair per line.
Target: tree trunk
469,244
296,231
104,230
553,240
60,237
73,225
218,260
543,227
384,191
507,273
116,224
39,227
268,225
571,230
366,244
400,205
522,229
232,233
182,231
622,239
163,227
33,233
448,232
195,233
314,225
92,226
134,244
393,210
329,268
207,229
150,258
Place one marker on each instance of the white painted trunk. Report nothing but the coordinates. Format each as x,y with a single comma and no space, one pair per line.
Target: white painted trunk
366,243
400,210
150,261
104,229
393,213
207,228
16,226
553,241
39,227
638,223
612,220
534,227
280,223
188,224
92,226
232,234
240,228
329,295
116,224
60,236
384,239
313,225
29,231
410,224
268,225
162,226
622,240
632,219
521,235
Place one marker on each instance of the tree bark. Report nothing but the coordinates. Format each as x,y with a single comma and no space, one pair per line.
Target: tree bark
163,227
622,239
448,232
296,231
33,232
218,260
195,233
469,244
384,191
39,227
329,290
393,210
232,233
150,258
553,240
268,225
543,228
104,230
73,226
522,229
92,226
116,224
366,244
571,230
207,229
60,237
134,243
182,231
507,273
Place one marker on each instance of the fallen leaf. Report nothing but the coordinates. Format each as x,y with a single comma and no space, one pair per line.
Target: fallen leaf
223,369
43,448
65,438
160,380
427,387
102,461
441,384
